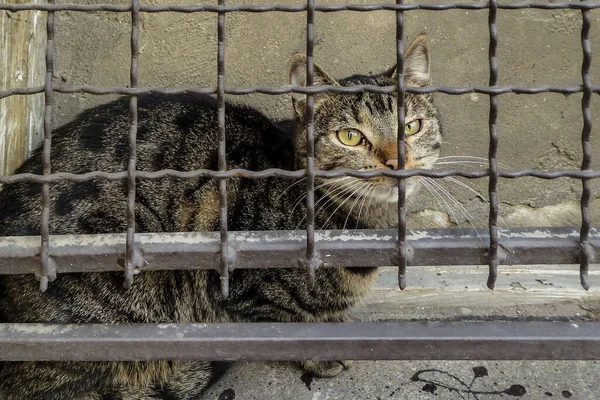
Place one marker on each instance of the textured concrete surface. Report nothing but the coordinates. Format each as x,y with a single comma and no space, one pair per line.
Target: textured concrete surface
407,380
536,47
422,380
439,293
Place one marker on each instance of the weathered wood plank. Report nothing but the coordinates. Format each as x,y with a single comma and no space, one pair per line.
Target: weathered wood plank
559,278
458,292
22,64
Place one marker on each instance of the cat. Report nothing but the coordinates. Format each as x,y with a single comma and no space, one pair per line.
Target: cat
179,132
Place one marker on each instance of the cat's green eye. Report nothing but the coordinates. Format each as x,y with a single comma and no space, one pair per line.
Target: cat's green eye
412,127
350,137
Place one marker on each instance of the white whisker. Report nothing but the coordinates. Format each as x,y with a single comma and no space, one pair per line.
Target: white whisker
289,187
469,188
470,158
457,203
437,196
465,157
460,163
303,196
331,198
338,191
368,186
371,188
341,204
368,204
464,185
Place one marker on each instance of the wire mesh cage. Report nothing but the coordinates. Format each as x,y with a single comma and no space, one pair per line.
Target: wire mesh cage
404,340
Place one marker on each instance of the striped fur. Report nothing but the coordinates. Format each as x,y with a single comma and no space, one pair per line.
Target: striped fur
180,132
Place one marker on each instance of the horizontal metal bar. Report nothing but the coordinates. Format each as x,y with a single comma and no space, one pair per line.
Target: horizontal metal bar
332,89
199,250
275,172
300,7
302,341
21,91
494,90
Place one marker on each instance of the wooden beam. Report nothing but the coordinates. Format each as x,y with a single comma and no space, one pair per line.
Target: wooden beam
22,64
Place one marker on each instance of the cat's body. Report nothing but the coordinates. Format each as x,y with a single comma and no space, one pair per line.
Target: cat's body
180,132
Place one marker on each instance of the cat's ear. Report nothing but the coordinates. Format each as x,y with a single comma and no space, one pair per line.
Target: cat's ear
416,62
298,78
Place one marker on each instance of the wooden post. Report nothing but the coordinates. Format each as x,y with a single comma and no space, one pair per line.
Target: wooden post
22,64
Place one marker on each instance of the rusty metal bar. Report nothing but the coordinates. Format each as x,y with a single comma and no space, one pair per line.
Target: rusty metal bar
587,252
178,251
493,149
401,256
133,257
224,247
302,341
312,261
18,91
544,5
497,90
473,174
46,271
175,251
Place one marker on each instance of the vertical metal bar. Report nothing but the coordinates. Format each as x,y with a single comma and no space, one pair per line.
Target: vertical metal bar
312,258
48,270
493,167
132,258
587,252
222,147
401,148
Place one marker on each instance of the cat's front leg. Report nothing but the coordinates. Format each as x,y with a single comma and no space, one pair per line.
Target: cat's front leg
327,369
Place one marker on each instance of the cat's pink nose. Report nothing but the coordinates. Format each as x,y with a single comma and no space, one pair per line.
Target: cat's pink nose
392,163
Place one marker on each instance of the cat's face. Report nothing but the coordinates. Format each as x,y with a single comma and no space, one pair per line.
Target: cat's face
359,131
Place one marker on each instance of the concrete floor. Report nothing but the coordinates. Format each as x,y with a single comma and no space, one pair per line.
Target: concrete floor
378,380
439,293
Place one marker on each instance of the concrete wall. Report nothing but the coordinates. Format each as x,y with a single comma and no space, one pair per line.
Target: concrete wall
536,47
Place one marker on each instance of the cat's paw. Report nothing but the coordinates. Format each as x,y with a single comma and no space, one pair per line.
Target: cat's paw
326,369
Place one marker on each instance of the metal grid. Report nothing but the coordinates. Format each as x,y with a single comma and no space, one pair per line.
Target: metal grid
517,340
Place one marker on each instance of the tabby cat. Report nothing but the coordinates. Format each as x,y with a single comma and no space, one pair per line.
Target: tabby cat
179,132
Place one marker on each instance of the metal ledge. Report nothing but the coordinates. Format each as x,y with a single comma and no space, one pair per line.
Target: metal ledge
170,251
257,8
303,341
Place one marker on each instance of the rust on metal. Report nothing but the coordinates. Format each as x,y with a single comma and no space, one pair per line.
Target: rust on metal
303,341
407,340
493,149
95,253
